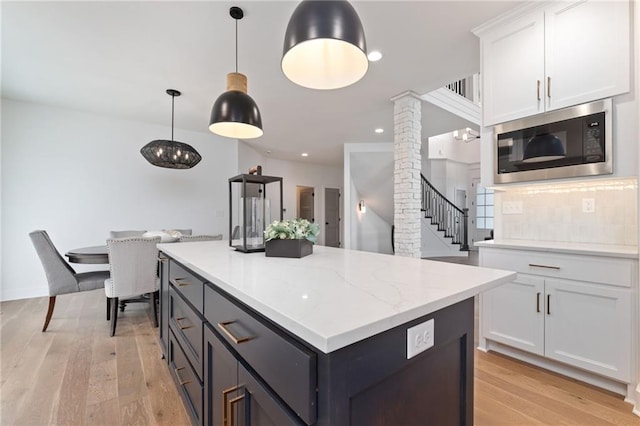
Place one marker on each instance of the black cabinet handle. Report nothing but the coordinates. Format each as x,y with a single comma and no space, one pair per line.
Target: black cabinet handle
548,304
538,302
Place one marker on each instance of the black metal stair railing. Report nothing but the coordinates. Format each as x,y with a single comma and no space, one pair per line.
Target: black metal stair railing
443,213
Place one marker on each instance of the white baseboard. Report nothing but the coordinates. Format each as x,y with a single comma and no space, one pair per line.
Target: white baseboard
7,294
566,370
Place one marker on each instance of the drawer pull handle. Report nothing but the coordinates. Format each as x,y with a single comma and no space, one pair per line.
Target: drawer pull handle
182,327
538,91
548,304
236,340
225,395
182,382
549,87
232,420
533,265
181,282
538,302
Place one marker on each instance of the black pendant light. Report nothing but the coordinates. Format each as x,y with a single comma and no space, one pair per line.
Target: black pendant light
544,147
324,46
235,114
169,153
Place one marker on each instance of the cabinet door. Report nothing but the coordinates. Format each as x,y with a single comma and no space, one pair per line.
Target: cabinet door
513,68
513,314
588,326
587,51
220,380
257,406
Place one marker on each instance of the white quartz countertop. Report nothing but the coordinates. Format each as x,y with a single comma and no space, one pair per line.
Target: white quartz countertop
335,297
560,247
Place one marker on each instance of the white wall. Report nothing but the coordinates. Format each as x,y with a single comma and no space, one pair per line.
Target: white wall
248,158
294,174
378,232
374,233
79,175
445,146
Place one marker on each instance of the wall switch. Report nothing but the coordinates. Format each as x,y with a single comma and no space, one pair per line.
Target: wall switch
512,207
588,205
419,338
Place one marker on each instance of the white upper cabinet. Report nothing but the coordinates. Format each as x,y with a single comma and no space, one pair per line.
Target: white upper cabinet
513,70
566,54
587,52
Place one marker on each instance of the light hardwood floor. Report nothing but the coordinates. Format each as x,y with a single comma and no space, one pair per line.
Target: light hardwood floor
76,374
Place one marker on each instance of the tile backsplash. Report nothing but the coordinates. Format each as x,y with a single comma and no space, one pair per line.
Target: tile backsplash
595,212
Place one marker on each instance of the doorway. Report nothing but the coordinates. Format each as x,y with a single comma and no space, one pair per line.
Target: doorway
332,217
305,197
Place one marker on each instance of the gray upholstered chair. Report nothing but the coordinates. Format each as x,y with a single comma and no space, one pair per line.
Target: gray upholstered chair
133,264
126,234
61,277
187,238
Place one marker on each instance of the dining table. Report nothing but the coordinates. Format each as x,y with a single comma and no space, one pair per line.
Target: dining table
89,255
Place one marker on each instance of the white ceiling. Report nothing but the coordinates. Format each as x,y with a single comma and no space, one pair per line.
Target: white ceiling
118,58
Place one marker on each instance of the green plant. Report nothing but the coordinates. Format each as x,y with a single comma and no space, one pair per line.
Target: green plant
294,229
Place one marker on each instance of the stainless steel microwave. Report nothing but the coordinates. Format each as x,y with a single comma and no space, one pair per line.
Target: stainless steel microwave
569,142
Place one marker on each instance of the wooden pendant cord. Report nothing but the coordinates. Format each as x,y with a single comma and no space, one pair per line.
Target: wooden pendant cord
235,80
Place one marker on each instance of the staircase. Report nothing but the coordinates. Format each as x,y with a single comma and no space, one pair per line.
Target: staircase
444,217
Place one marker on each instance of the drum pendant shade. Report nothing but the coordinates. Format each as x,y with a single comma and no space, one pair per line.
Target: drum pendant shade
171,154
235,114
324,45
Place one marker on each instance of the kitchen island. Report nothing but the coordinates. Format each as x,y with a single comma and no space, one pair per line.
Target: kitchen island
335,338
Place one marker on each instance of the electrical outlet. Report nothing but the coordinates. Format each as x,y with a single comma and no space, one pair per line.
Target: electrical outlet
512,207
588,205
420,338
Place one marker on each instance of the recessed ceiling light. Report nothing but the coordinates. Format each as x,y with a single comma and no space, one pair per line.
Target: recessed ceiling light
379,130
304,154
374,56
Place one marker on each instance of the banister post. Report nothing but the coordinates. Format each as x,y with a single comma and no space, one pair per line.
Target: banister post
465,226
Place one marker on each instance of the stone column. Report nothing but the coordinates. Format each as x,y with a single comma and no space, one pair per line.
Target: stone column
406,176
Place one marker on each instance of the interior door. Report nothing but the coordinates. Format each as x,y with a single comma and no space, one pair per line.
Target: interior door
306,203
332,217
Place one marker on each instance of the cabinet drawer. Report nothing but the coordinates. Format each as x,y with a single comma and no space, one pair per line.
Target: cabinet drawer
269,352
187,327
186,380
189,285
596,269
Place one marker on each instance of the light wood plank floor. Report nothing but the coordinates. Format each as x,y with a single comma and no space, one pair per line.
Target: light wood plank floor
75,374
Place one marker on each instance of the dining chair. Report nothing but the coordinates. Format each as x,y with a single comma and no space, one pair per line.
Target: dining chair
188,238
133,264
61,277
126,234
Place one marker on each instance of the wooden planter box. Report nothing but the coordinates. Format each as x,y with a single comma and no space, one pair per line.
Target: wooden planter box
288,248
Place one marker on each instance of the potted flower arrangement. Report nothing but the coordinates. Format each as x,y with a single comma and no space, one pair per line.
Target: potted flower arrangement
290,238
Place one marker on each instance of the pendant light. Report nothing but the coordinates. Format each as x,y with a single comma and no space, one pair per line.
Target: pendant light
235,114
169,153
324,46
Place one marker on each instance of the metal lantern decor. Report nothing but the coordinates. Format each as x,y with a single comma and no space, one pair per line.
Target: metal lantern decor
171,154
250,211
